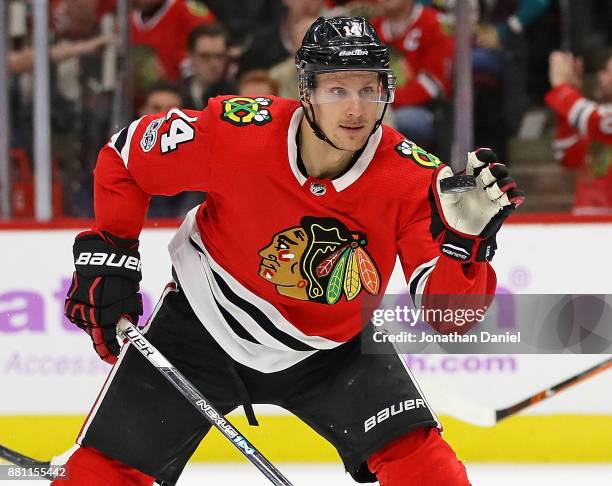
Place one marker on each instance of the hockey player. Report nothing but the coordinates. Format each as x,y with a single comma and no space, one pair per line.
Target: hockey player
308,206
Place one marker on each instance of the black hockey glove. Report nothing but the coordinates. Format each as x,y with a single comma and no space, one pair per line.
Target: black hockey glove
105,287
466,223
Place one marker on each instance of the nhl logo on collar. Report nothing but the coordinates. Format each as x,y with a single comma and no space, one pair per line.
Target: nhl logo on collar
412,151
318,189
244,111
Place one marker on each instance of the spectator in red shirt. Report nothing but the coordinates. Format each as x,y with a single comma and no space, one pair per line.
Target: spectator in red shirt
584,130
164,25
423,55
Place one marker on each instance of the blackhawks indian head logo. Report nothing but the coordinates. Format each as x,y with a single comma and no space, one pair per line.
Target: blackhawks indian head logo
320,260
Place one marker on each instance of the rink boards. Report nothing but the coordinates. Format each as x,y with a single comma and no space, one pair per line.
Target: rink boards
49,374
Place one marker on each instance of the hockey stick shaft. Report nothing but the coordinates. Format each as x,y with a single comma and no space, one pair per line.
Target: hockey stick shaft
126,330
475,413
553,390
24,461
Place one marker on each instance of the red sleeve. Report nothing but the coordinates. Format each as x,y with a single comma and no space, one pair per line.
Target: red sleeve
411,93
430,273
433,76
161,154
569,147
590,119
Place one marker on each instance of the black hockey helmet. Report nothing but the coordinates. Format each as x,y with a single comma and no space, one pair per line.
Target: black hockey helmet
341,44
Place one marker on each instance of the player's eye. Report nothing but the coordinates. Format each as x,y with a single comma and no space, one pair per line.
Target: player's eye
369,93
338,92
281,245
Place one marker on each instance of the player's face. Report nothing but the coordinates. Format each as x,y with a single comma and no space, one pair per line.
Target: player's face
209,58
346,106
280,262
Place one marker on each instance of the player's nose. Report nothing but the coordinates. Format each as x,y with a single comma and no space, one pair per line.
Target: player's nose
355,106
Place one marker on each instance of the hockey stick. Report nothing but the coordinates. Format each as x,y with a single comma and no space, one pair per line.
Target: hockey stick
126,330
553,390
26,462
484,416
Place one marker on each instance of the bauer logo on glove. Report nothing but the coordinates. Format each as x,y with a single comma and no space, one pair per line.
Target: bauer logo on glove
105,287
465,222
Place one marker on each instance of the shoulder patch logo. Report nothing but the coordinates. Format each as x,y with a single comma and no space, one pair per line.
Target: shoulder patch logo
147,142
412,151
245,111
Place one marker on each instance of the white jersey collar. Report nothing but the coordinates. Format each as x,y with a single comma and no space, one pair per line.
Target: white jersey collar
346,179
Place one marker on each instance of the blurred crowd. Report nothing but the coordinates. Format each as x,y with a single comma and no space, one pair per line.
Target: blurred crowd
550,55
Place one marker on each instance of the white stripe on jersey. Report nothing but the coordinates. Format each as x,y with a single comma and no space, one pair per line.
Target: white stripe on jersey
125,150
113,371
583,119
560,145
430,84
579,114
565,143
102,393
418,280
195,273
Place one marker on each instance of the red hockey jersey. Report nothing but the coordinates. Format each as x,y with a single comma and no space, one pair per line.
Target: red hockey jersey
584,141
167,32
276,263
422,56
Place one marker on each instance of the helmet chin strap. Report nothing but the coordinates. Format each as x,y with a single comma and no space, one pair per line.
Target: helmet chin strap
310,117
